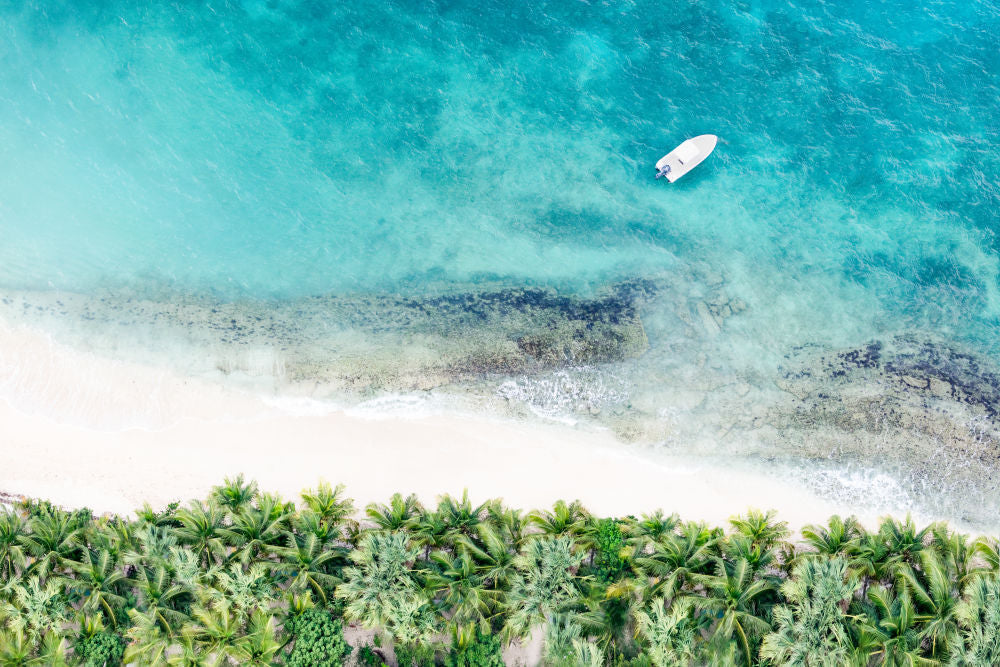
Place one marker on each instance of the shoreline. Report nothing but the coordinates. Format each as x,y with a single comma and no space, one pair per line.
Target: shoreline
529,466
80,429
72,438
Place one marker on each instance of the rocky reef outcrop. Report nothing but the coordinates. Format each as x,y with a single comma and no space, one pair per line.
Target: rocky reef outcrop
922,408
359,342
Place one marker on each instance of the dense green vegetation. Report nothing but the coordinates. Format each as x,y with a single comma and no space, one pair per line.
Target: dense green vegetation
248,578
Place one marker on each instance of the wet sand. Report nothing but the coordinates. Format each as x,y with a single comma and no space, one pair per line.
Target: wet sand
82,430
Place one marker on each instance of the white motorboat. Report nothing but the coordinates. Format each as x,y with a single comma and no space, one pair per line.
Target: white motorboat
685,157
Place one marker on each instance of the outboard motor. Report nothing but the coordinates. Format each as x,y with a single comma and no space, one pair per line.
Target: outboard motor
664,171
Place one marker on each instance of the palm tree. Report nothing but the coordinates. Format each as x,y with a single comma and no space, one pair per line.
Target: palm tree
52,541
148,517
979,619
494,556
957,552
733,598
213,583
152,546
890,628
113,535
586,654
296,604
935,595
411,622
562,635
187,570
872,560
812,628
308,522
381,580
13,530
761,528
678,558
101,581
351,532
989,550
158,596
399,514
838,538
241,591
16,648
509,523
544,583
309,562
756,554
566,647
381,589
151,639
607,617
328,503
673,633
903,540
564,520
190,651
460,515
431,531
90,628
256,529
650,530
259,647
235,494
202,529
217,631
54,651
461,592
34,609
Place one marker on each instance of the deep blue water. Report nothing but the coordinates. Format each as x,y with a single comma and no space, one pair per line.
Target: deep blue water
274,149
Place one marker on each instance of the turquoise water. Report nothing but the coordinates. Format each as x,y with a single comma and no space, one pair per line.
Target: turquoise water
269,151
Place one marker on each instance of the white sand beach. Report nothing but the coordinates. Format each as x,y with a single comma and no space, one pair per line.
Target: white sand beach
81,430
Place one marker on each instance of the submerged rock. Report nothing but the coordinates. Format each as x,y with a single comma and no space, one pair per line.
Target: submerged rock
711,325
924,408
360,342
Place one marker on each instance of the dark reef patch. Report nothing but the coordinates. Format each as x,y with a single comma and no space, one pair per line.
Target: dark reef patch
921,369
368,341
922,408
948,373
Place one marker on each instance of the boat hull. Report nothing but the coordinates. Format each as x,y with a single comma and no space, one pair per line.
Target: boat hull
687,156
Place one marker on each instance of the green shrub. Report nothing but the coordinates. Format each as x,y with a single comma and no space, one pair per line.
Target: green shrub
319,640
482,651
101,649
638,661
608,562
367,657
414,656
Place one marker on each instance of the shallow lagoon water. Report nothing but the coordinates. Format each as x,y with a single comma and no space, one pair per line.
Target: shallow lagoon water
265,159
